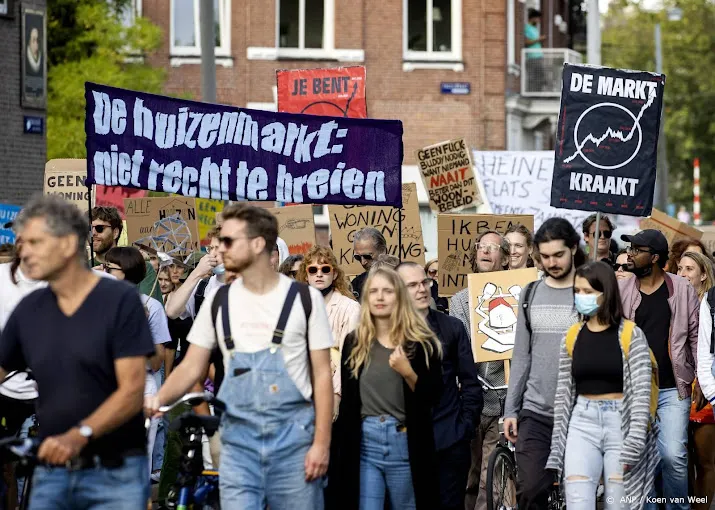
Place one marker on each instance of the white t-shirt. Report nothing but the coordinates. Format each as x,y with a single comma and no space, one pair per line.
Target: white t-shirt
159,326
190,311
253,320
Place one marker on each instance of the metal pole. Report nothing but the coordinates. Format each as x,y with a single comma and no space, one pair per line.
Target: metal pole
208,51
89,213
399,234
595,236
661,180
593,33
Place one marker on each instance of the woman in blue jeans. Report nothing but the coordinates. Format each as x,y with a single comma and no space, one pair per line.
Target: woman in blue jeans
383,441
602,421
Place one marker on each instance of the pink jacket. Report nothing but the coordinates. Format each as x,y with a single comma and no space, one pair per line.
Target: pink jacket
684,322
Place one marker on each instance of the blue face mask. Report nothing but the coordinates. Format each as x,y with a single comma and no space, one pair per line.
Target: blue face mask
219,270
586,304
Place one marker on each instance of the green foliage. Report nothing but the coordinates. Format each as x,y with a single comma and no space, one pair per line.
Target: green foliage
689,65
89,43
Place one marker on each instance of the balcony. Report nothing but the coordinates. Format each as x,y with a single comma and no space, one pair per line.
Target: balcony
541,70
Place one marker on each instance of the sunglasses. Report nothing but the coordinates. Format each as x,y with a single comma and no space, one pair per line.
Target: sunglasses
617,267
99,228
322,269
432,272
360,258
228,241
604,234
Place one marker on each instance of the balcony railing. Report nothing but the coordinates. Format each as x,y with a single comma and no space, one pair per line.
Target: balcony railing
541,70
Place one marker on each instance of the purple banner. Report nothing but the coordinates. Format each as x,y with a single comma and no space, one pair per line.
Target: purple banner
157,143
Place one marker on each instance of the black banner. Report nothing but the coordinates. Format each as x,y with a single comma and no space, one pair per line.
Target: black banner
606,140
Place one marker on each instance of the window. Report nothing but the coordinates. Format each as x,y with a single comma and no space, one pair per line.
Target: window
186,29
302,24
433,30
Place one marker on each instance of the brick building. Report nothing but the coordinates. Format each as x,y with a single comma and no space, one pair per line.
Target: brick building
22,154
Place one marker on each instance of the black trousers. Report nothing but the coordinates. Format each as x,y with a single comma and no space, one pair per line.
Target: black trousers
533,446
453,465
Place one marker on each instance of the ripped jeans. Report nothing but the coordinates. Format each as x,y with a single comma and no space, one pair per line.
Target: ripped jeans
593,448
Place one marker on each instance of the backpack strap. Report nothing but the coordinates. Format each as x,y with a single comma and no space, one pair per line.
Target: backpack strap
571,336
199,295
525,303
627,336
221,301
283,317
304,292
711,303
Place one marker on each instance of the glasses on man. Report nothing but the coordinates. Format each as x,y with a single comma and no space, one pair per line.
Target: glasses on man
634,250
228,241
426,283
360,258
322,269
99,228
603,234
488,247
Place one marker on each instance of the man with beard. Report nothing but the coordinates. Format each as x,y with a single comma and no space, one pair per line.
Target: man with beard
106,230
275,432
491,253
541,324
666,307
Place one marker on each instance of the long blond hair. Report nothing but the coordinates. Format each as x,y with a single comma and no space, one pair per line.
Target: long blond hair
409,329
706,268
323,255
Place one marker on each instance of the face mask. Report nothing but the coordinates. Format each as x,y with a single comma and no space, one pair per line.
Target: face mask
219,270
642,272
586,304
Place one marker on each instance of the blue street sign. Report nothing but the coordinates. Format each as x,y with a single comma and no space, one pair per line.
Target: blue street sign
34,125
458,87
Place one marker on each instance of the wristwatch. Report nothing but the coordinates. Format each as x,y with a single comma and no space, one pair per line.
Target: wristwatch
86,431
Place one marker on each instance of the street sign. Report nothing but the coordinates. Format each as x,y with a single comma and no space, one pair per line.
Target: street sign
33,125
458,87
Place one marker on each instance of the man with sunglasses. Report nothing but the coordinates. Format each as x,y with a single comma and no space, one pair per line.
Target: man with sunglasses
456,416
105,232
606,229
666,307
368,244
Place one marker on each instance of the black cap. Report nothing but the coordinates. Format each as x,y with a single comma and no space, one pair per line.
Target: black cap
653,239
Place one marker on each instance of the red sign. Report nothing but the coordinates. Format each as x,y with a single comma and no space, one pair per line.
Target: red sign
113,196
336,92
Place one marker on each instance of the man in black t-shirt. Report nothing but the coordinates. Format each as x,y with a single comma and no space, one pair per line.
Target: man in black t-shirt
86,340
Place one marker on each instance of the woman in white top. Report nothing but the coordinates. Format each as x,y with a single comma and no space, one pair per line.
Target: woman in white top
320,270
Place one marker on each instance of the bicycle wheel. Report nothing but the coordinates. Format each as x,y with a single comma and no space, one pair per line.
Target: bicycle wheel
501,480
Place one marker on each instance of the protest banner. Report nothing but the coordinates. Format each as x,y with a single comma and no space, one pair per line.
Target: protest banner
494,306
165,224
8,212
346,220
158,143
455,240
448,176
672,229
296,226
606,140
335,92
113,196
66,177
206,216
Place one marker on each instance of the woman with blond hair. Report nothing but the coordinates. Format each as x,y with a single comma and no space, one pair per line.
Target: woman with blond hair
383,439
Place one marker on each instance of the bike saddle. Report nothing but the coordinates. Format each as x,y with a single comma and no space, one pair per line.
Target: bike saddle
189,419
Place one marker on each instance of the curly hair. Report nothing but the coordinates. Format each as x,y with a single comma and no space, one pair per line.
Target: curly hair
324,255
677,250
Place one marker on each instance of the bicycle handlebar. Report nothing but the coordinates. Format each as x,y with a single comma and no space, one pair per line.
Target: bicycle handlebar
489,387
23,448
194,399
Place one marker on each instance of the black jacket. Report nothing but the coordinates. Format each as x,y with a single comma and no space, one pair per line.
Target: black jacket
457,415
357,284
343,492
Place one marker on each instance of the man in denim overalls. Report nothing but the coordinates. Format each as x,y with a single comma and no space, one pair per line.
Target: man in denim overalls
275,338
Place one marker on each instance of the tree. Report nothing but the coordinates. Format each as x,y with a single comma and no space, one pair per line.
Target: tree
88,42
689,65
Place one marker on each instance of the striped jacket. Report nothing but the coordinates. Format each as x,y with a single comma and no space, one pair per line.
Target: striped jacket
639,449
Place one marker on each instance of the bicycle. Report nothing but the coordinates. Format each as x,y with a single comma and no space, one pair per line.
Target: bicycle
24,451
502,469
195,487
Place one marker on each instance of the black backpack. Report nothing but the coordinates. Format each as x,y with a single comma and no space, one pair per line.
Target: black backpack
526,303
200,294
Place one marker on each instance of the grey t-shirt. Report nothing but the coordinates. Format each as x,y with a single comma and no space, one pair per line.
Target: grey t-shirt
381,387
532,384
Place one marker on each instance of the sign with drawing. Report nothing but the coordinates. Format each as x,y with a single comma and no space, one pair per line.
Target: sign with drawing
296,227
165,224
494,305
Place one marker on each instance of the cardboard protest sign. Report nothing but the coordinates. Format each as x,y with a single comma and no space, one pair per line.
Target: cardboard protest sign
335,92
455,240
66,177
296,226
708,240
113,196
202,150
606,140
8,213
345,221
206,210
493,306
448,176
165,224
672,229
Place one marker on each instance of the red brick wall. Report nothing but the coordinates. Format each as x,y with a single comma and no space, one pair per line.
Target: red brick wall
376,27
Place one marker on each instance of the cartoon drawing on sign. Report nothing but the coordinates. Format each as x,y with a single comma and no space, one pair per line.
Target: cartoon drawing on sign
612,135
294,224
497,310
170,235
411,233
342,111
406,193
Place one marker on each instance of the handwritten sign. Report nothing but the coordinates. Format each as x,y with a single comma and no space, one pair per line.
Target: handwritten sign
448,176
455,240
672,229
296,227
66,177
8,213
345,221
166,224
206,210
113,196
